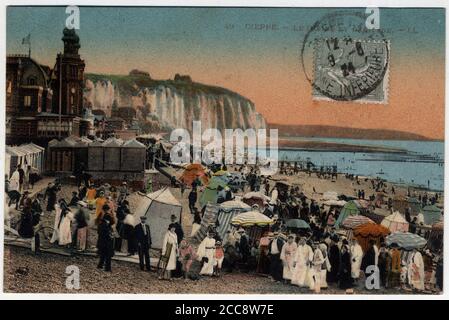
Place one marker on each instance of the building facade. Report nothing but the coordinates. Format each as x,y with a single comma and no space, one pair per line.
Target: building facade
68,77
44,103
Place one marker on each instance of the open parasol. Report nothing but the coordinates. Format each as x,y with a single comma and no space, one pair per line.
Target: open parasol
406,240
251,218
297,224
353,222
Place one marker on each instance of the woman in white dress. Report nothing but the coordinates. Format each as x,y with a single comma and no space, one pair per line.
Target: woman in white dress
287,256
325,267
206,254
62,226
356,259
302,260
315,270
415,270
14,181
170,243
55,236
65,228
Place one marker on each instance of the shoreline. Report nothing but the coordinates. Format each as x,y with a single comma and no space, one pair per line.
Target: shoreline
321,146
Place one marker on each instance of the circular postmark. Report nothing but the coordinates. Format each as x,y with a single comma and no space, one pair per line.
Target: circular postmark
348,60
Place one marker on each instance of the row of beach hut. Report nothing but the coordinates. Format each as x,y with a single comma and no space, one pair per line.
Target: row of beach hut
29,154
96,155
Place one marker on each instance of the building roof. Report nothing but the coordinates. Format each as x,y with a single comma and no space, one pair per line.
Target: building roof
36,146
19,58
133,144
96,143
31,148
14,151
112,142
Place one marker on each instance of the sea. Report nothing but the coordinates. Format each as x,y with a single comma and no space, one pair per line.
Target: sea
422,166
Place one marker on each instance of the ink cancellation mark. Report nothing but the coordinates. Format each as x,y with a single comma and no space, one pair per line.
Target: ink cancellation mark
346,68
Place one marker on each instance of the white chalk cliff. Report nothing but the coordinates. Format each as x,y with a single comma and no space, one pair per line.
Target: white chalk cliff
174,104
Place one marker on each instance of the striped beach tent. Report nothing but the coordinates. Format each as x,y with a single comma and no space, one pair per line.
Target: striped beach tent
209,220
350,209
227,211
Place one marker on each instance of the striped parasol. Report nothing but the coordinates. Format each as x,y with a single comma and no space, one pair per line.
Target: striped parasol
251,218
406,240
234,205
353,222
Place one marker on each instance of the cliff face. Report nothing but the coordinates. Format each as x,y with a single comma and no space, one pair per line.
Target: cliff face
172,103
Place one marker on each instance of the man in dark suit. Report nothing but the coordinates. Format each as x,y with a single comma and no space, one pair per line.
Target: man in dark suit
143,237
178,228
274,252
36,208
105,243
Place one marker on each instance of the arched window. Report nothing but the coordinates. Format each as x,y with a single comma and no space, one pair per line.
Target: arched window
31,81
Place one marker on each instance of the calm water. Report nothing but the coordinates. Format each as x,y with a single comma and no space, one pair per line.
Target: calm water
422,164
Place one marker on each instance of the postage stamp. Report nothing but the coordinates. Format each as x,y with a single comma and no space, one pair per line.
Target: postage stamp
349,59
348,69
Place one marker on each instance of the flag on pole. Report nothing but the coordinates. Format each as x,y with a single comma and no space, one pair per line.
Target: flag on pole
27,39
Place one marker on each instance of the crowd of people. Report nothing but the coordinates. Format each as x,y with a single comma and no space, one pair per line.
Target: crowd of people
314,258
320,256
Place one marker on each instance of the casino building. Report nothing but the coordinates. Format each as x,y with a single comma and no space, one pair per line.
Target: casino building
44,103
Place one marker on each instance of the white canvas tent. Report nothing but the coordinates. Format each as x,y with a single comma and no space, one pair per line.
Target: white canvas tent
158,207
35,155
395,222
16,156
25,154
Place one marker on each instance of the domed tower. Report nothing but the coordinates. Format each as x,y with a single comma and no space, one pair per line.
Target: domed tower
71,42
68,77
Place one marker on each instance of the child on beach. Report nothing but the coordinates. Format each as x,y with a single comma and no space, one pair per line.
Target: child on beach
186,257
219,256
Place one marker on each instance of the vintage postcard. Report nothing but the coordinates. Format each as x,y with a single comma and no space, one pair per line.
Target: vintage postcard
224,150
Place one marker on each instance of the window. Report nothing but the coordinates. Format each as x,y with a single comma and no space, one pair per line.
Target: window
27,101
74,71
31,81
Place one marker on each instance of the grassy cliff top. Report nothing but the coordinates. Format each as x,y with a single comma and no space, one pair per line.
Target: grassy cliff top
128,84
